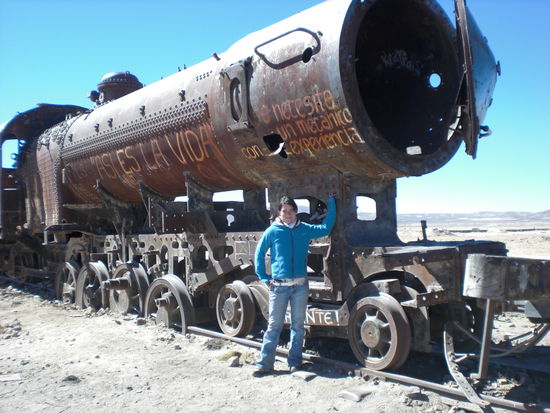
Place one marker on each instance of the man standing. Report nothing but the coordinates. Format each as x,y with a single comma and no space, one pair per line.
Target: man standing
288,240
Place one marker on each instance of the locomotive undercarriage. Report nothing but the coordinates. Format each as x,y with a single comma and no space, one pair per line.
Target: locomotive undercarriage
385,299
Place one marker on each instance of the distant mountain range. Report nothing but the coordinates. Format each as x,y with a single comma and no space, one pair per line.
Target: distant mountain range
483,218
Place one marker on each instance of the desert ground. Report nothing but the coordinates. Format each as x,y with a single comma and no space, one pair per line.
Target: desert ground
530,239
56,358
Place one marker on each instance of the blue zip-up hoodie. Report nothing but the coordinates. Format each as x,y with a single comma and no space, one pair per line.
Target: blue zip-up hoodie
289,246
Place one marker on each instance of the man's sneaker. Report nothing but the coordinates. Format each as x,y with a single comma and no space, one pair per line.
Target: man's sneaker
259,372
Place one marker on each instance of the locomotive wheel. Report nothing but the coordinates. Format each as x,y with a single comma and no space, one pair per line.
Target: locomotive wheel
379,332
418,318
169,303
89,287
132,297
235,309
65,282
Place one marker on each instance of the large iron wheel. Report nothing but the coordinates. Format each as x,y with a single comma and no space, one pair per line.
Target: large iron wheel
65,281
235,309
379,332
128,285
169,303
89,286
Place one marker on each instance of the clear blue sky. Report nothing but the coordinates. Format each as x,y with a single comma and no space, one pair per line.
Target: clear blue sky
56,51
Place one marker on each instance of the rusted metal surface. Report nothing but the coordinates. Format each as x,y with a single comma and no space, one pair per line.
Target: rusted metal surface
65,281
169,303
32,123
379,332
450,358
113,86
479,62
235,309
506,278
90,292
12,204
40,177
128,287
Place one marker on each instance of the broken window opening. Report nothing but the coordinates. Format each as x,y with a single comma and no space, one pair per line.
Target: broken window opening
275,144
366,208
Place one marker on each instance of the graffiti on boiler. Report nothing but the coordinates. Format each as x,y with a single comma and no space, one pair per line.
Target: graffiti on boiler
309,125
190,148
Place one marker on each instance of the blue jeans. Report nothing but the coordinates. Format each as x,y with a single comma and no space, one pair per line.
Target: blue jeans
279,297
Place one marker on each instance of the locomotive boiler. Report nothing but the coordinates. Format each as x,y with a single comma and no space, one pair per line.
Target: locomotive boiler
344,97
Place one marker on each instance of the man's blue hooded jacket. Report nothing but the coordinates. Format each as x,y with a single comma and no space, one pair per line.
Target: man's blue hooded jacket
289,246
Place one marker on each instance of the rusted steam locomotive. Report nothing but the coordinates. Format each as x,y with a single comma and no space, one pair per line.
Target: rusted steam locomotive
345,97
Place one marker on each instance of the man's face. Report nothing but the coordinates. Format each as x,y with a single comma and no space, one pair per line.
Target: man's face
287,214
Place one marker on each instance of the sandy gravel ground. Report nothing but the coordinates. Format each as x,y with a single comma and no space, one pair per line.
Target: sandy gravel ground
55,358
59,359
521,242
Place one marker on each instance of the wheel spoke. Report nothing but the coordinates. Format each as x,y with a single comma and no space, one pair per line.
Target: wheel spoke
384,348
88,289
373,353
385,333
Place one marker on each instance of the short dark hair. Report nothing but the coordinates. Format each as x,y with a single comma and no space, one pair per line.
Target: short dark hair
286,200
